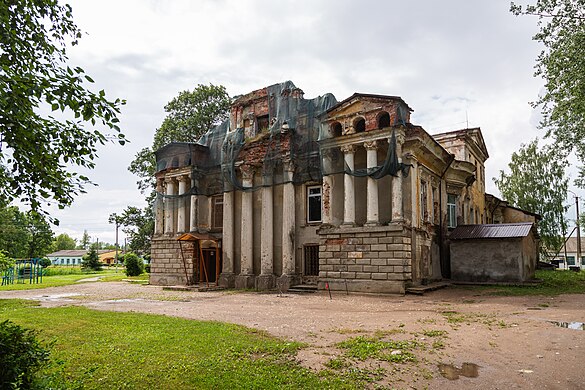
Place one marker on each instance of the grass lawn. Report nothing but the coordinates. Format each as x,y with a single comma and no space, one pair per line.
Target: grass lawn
106,350
554,282
63,280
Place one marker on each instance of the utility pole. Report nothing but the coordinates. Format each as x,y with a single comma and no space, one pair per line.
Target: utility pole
578,262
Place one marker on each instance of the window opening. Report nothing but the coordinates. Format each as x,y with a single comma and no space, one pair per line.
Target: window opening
359,125
424,212
451,211
263,123
384,120
336,129
217,210
314,204
312,260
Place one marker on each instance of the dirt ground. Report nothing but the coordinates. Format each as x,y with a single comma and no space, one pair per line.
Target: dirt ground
514,341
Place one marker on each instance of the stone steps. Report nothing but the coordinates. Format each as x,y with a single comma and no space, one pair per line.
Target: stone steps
303,288
420,290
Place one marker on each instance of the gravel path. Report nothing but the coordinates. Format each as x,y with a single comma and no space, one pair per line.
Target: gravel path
513,340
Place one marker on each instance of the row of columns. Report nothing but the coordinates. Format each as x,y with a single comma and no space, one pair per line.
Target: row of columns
373,210
164,221
245,279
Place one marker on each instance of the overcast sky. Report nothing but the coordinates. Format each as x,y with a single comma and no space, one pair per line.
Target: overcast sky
457,63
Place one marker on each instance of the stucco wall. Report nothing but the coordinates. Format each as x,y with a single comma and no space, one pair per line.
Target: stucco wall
497,260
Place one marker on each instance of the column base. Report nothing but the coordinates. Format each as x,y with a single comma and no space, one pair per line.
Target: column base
243,282
226,280
372,223
265,282
284,282
347,225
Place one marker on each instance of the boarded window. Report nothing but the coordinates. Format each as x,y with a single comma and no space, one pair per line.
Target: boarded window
314,204
312,260
217,212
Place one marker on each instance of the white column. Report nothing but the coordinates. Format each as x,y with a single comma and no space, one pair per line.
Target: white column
182,212
372,206
159,213
397,209
170,206
348,186
247,224
267,233
227,242
194,199
288,221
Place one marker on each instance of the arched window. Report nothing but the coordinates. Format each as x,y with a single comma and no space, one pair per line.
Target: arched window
383,120
359,125
336,129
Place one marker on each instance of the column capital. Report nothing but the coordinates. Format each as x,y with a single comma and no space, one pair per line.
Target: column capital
351,148
248,171
169,179
183,178
371,145
289,165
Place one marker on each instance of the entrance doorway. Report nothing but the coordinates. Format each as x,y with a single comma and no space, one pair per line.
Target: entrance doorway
311,264
211,265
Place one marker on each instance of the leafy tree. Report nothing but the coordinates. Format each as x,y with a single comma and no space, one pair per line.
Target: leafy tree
64,242
91,261
189,115
5,262
24,235
134,264
562,65
35,77
138,224
14,236
537,183
40,239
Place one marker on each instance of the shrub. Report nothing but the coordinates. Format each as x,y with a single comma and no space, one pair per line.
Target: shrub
147,268
134,264
91,261
5,262
21,355
45,262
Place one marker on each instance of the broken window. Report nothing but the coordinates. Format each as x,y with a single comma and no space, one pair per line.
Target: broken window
384,120
263,122
424,211
451,211
217,212
314,204
336,129
359,125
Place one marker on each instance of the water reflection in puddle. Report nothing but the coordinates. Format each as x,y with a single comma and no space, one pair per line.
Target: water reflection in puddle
450,371
569,325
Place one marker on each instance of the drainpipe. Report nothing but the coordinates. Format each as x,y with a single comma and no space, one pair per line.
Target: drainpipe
445,268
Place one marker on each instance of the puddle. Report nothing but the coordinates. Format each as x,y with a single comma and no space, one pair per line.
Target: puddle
54,297
450,371
569,325
123,300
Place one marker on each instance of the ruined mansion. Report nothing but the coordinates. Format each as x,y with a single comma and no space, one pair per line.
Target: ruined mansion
291,191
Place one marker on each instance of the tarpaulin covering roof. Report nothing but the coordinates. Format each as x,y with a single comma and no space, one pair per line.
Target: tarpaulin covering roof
502,230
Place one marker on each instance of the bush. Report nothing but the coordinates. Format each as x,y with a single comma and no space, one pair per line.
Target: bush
147,268
5,262
21,355
134,264
91,261
45,262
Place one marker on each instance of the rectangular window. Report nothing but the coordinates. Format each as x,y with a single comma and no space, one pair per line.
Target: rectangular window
314,204
217,212
312,260
451,211
570,260
263,123
424,211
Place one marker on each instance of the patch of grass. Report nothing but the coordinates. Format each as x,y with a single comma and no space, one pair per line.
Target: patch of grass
554,282
347,331
101,350
71,278
438,344
435,333
337,363
362,347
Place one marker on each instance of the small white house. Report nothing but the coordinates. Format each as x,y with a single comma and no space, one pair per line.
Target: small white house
570,259
67,257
